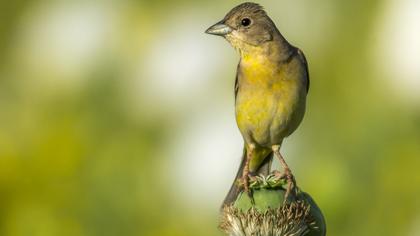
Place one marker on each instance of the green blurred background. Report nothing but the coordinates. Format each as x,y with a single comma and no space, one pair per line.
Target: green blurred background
116,117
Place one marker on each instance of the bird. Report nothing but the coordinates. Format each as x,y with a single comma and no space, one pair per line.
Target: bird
271,86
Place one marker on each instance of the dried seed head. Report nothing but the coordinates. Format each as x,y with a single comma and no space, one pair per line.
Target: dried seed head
289,220
267,214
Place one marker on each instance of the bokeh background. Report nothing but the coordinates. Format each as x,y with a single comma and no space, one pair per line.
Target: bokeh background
116,117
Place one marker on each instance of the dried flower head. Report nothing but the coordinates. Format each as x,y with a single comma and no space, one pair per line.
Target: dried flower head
289,220
266,213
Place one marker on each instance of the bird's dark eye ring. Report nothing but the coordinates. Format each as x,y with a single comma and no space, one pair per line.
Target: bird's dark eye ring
245,21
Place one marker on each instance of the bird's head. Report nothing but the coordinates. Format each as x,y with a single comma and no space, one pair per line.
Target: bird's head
245,25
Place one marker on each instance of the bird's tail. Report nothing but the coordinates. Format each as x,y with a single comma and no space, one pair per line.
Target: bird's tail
234,191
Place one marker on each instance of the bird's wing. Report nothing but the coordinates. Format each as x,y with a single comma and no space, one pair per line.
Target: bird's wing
303,59
236,81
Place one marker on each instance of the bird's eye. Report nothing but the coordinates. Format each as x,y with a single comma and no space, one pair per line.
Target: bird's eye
245,21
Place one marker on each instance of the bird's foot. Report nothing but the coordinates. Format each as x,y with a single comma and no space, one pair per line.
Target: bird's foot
245,183
291,183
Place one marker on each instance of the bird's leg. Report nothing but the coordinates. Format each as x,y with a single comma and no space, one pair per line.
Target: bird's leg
245,172
291,183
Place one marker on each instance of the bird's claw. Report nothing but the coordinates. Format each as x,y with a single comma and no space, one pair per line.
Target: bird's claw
245,183
291,183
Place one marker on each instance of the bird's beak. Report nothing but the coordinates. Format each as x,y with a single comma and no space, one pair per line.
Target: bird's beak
219,29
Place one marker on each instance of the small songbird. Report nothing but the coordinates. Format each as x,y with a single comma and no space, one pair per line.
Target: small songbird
272,82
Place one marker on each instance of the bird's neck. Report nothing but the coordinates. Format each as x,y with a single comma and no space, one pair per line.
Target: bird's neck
275,51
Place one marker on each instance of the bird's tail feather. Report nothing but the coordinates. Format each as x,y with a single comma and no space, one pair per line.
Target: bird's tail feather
235,189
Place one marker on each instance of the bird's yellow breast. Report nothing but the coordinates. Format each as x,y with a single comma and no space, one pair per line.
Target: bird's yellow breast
271,100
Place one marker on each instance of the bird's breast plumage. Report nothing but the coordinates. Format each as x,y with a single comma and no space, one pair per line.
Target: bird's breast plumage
270,102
